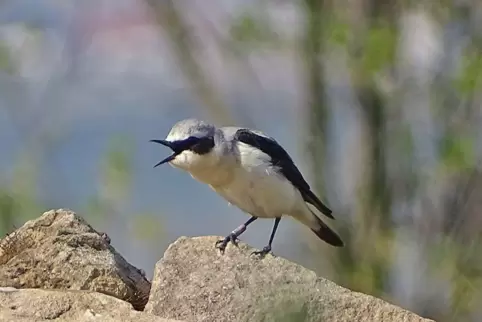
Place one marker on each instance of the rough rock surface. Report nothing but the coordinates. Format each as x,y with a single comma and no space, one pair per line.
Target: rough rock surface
32,305
193,282
59,267
59,250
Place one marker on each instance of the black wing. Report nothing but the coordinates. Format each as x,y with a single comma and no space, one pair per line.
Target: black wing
281,159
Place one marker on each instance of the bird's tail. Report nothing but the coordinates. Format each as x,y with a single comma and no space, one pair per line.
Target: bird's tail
321,230
326,234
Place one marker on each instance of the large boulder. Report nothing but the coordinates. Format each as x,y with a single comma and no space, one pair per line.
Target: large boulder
60,250
193,282
35,305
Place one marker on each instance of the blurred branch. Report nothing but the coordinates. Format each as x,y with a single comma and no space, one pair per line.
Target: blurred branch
315,102
184,47
230,47
377,43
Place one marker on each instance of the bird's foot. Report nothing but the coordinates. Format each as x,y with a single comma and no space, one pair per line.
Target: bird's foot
262,253
221,244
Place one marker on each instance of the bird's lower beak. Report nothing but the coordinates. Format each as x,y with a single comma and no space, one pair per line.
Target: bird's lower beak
169,158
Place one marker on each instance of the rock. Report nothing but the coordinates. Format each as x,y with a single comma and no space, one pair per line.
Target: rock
57,267
32,305
193,282
59,250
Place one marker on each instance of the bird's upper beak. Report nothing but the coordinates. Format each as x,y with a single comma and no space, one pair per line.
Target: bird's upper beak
169,158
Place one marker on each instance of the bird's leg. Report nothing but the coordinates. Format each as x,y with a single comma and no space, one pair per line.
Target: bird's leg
221,244
267,248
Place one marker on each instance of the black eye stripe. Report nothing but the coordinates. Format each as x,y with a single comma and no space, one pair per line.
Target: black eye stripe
198,145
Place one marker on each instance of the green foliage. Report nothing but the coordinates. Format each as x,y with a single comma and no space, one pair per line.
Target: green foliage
366,271
470,76
118,165
337,32
114,182
18,200
8,209
5,60
457,152
460,265
117,171
253,31
16,207
379,49
147,227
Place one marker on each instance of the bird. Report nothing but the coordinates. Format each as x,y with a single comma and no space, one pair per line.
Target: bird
252,171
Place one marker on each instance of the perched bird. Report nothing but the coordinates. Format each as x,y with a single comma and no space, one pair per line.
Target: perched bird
251,171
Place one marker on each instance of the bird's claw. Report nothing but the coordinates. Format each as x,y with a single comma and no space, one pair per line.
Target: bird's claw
262,253
222,243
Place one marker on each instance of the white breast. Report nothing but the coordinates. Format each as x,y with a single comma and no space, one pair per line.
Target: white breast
257,188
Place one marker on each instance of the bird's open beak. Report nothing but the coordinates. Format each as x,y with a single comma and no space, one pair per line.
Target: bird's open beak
169,158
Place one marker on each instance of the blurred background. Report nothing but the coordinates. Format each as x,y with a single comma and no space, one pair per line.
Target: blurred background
379,103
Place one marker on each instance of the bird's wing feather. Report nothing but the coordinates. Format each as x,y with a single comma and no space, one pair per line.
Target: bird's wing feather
281,159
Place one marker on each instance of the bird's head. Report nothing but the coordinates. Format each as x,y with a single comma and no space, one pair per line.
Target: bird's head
191,142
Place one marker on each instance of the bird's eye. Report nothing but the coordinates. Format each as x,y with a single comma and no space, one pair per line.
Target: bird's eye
203,145
192,140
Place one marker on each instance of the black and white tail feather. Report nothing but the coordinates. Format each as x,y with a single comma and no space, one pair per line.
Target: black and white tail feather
326,234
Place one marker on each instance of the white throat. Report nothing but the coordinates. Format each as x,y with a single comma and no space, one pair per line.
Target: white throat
209,168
